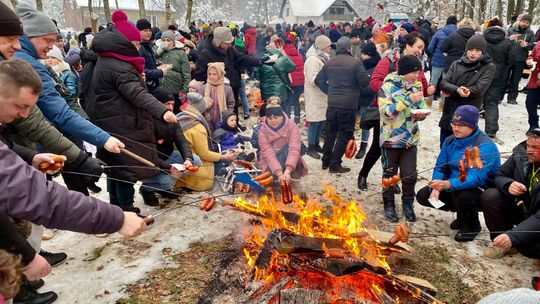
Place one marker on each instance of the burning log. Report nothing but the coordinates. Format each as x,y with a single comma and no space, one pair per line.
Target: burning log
301,296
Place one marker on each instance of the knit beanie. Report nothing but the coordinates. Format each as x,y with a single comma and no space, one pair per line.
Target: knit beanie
121,23
9,22
310,24
222,34
476,42
322,42
34,22
370,49
334,35
527,17
197,101
408,64
408,27
55,52
518,295
355,33
163,95
73,58
344,43
143,24
169,35
466,115
195,84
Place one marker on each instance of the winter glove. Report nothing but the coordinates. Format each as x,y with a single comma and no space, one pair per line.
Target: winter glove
88,165
264,58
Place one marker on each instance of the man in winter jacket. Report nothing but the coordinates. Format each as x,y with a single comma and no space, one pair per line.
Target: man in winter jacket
152,72
40,34
514,204
522,38
311,34
341,79
454,46
462,196
434,48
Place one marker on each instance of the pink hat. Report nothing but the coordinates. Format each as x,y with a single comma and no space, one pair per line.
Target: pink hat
121,23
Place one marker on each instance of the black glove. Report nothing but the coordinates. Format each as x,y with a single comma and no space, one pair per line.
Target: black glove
264,58
92,166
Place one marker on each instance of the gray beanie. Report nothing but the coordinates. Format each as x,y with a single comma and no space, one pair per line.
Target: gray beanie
168,34
222,34
35,23
344,43
197,101
518,295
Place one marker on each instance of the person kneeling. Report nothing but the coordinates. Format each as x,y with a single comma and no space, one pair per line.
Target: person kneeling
514,204
457,195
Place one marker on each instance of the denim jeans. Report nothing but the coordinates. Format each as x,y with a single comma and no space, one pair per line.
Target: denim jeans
164,181
243,99
531,103
436,73
294,101
314,132
365,133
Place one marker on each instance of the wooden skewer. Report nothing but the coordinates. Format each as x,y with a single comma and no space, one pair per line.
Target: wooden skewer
137,157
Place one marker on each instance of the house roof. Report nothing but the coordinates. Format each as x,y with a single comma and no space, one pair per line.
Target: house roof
309,8
127,5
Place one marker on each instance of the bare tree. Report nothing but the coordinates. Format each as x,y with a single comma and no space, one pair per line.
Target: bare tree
531,7
168,12
500,9
107,10
93,20
519,7
116,3
142,10
39,5
189,8
510,10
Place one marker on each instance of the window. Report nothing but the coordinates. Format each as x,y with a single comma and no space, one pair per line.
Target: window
337,11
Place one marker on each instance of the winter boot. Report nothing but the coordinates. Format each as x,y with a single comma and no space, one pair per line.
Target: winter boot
390,210
467,234
470,224
318,148
362,183
456,224
149,197
312,151
362,151
408,210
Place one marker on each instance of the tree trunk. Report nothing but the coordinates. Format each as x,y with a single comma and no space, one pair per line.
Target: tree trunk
482,8
531,7
470,10
107,10
116,3
189,8
510,10
91,13
39,5
500,10
519,7
266,11
142,10
168,12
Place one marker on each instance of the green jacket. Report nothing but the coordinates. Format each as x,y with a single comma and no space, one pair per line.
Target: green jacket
273,84
36,129
179,76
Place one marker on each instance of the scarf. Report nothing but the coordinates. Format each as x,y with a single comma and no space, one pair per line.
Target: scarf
214,92
136,62
190,117
323,56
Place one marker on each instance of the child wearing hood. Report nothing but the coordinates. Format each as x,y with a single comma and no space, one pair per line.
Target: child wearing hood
227,135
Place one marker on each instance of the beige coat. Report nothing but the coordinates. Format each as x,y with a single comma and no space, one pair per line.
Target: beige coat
316,101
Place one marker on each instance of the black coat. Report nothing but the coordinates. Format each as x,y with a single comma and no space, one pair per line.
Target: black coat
119,103
234,63
476,76
499,50
171,135
366,94
517,169
454,45
152,73
341,78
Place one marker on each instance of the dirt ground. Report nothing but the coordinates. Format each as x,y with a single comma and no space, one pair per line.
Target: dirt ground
99,269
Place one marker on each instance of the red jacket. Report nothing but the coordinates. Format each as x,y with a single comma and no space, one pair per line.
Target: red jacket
250,40
383,69
535,55
298,74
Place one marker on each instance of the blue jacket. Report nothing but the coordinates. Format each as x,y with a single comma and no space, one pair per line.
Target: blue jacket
453,150
54,107
69,79
152,73
436,42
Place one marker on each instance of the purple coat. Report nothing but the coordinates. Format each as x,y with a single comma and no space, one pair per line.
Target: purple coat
27,195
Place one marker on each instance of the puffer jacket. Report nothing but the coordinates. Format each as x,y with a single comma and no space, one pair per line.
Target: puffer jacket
316,101
69,79
454,45
54,107
535,55
151,72
119,102
297,75
271,142
250,40
499,50
179,76
434,47
453,150
476,76
341,79
521,53
272,83
398,128
517,169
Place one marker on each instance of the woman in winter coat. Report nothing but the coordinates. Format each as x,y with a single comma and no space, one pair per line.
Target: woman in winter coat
297,76
119,102
414,44
274,78
56,61
438,60
217,94
316,101
280,145
454,45
197,132
533,90
178,76
466,82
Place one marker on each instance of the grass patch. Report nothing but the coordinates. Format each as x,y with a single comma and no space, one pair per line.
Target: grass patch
96,253
433,263
183,283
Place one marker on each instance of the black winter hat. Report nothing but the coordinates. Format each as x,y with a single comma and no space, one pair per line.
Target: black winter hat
163,95
408,64
370,49
476,42
355,33
143,24
310,24
527,17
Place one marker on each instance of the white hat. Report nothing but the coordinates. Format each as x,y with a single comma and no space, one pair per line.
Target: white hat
56,53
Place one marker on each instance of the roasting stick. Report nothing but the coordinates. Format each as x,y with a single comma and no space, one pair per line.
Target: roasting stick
137,157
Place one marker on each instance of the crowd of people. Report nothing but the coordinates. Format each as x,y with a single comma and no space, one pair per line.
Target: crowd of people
179,96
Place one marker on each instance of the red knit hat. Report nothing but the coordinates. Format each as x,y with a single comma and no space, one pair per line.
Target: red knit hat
121,23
